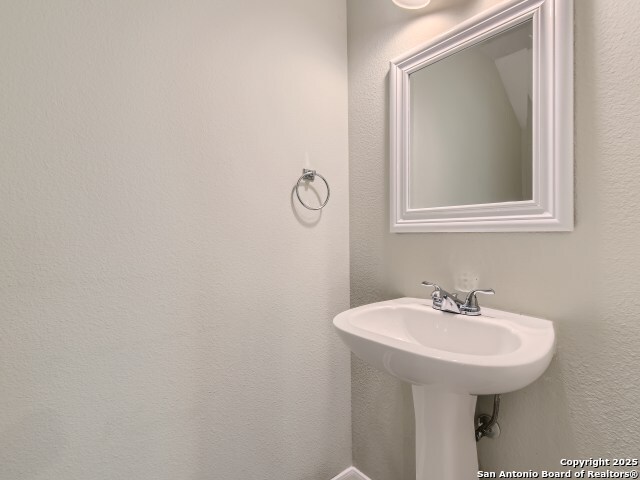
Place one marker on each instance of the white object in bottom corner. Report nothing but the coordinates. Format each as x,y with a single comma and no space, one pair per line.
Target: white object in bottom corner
351,473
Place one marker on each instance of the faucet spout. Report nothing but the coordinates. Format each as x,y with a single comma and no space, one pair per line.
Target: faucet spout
450,304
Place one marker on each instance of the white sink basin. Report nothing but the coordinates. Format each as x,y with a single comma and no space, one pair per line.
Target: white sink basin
496,352
449,359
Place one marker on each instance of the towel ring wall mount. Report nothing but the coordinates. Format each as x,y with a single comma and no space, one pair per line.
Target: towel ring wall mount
309,176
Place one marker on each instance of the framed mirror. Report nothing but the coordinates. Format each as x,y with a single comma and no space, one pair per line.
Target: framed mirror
482,124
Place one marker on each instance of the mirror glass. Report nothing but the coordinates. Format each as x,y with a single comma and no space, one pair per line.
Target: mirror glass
471,124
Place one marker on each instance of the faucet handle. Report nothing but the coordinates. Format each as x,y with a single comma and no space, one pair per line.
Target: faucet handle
437,291
470,306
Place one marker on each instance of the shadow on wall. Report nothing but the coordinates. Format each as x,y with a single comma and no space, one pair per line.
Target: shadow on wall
305,217
30,445
524,419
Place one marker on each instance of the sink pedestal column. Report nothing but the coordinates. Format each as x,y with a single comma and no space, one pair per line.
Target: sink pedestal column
445,435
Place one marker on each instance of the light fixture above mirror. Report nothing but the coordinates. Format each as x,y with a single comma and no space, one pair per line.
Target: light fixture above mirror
412,4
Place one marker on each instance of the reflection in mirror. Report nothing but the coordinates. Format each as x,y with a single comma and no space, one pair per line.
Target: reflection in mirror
471,124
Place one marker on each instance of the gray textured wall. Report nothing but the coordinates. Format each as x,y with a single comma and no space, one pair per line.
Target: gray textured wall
161,316
586,281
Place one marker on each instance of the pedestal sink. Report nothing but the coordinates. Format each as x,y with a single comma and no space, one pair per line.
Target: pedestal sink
449,359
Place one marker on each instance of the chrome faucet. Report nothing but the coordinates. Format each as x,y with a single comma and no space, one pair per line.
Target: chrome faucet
449,302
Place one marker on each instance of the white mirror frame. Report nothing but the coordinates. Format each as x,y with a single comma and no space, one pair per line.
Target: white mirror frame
551,208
